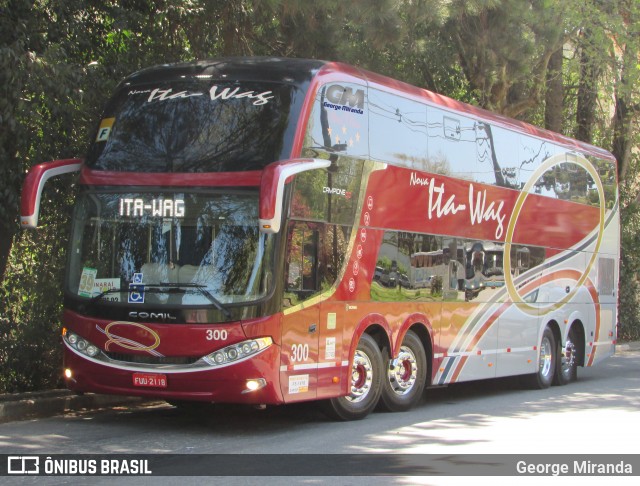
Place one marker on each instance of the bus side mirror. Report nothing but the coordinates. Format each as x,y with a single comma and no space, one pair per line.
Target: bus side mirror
33,184
274,177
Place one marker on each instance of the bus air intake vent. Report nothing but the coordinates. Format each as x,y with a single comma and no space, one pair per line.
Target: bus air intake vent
153,360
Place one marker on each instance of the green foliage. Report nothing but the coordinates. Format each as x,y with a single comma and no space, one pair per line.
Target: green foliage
31,303
629,298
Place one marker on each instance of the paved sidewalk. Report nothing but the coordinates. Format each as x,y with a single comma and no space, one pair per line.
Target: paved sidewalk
24,406
625,347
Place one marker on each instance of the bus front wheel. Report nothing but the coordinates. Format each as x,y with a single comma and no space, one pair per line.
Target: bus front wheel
365,387
406,376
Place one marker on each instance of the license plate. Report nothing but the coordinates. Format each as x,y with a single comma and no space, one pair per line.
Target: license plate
148,379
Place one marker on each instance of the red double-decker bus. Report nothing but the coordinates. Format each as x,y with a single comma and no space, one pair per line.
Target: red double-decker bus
268,231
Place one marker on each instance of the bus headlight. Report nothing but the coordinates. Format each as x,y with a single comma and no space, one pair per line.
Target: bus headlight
81,345
237,352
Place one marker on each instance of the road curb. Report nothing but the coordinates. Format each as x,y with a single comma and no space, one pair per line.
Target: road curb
24,406
630,346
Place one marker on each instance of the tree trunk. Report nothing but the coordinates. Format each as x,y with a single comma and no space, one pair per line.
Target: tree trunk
587,91
554,96
625,110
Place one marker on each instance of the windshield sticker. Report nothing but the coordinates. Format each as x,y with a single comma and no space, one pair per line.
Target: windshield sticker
136,289
103,285
87,280
136,294
105,129
159,207
259,98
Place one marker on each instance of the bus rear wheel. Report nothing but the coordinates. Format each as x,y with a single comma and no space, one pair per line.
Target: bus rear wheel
548,356
405,379
366,377
568,360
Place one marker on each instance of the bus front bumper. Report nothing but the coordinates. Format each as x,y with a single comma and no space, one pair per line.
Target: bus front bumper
253,381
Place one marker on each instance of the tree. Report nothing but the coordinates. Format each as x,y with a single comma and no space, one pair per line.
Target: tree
504,48
627,105
590,70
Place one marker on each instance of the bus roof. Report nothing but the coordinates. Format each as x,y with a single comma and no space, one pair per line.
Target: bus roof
302,72
275,69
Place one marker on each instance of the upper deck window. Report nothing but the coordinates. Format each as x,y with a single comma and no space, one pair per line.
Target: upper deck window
196,126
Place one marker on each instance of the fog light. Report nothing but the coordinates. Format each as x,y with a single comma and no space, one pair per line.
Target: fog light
68,374
255,384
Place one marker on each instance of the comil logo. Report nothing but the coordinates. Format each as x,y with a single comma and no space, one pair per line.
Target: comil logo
23,465
160,316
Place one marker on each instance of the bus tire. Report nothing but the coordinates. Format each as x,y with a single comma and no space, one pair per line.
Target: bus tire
548,348
568,360
406,376
366,378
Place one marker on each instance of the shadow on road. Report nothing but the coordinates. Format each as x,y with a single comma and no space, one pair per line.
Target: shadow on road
474,408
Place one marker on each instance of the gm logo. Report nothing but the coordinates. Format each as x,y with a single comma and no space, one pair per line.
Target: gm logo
341,95
23,465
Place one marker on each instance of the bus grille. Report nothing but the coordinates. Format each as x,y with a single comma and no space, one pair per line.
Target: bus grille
153,360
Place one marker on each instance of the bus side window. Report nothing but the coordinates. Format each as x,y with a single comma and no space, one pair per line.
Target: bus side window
302,261
315,255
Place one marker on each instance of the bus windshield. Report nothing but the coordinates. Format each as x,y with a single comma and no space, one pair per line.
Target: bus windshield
196,126
187,248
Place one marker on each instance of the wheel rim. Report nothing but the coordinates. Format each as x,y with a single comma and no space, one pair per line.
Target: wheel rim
568,359
361,377
403,372
546,358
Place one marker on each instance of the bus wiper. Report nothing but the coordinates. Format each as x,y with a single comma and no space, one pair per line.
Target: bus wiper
96,298
172,287
157,288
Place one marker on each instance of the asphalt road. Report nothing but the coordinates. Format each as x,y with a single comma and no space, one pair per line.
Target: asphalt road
598,414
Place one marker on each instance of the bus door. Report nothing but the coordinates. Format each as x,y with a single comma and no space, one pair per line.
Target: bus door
334,347
300,324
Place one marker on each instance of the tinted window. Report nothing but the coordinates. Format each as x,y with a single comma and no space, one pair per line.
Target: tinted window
338,123
410,267
453,143
398,130
497,150
197,245
315,256
328,194
196,126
